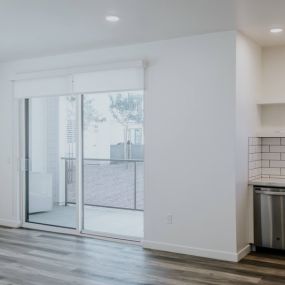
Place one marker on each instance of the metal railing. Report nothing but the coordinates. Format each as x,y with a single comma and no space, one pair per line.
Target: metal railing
69,170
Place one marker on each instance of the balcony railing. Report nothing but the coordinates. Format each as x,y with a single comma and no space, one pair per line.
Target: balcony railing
107,183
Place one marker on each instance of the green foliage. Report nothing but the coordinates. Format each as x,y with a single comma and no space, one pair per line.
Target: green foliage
127,108
91,115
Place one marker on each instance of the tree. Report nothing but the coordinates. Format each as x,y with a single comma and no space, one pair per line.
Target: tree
127,109
91,116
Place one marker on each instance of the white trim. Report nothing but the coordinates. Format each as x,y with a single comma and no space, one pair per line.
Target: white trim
47,228
111,236
243,252
17,205
21,159
74,232
21,190
10,223
271,100
67,231
251,215
111,239
79,166
201,252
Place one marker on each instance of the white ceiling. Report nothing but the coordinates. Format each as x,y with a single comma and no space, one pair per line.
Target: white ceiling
30,28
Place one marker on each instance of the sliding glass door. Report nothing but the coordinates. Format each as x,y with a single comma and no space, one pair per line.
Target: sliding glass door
113,163
50,139
98,187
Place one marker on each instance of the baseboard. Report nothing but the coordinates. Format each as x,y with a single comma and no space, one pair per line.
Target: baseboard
243,252
208,253
10,223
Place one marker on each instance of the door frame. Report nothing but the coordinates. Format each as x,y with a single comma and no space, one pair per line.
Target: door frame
23,148
24,178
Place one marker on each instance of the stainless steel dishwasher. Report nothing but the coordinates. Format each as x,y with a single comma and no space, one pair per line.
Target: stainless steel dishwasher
269,217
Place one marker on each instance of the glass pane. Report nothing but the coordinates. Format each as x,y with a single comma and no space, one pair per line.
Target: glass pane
113,152
51,134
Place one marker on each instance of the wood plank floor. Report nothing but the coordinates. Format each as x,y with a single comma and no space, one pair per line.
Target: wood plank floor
33,257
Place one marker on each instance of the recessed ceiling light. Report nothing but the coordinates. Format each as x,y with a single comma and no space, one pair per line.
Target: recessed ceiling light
276,30
112,18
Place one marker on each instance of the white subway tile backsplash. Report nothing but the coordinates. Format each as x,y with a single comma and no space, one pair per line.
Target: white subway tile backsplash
251,149
271,171
277,163
275,176
250,141
266,158
270,156
258,163
264,163
251,165
265,148
255,164
271,141
254,173
258,148
254,148
254,156
254,141
277,148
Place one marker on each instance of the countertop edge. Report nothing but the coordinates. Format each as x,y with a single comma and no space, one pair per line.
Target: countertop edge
273,183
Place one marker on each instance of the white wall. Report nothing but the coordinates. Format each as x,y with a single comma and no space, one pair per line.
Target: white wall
8,197
189,137
273,71
273,116
248,89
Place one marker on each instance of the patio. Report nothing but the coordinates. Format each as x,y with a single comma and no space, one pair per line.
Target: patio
97,219
112,191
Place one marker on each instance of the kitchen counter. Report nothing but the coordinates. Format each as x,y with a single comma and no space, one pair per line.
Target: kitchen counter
271,182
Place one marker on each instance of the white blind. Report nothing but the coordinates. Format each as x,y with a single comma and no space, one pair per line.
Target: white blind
109,80
117,78
43,87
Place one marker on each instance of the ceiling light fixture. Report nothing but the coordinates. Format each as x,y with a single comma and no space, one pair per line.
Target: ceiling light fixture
112,18
276,30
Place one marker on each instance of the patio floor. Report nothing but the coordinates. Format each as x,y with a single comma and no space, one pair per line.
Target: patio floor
97,219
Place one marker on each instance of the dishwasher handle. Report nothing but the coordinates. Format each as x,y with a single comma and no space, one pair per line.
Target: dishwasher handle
270,193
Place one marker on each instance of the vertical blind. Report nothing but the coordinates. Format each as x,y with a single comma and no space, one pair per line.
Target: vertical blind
119,79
